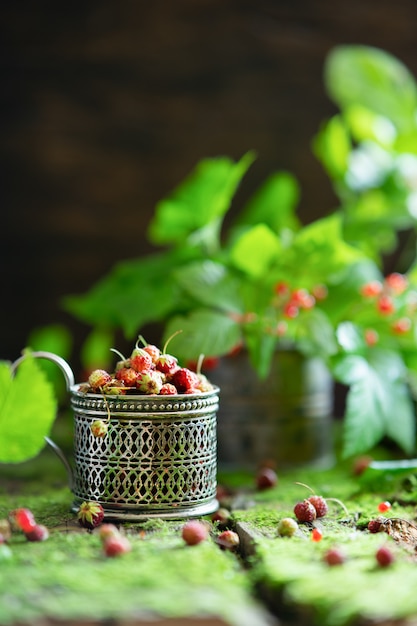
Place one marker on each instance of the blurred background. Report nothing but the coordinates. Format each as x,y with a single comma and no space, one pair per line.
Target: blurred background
105,107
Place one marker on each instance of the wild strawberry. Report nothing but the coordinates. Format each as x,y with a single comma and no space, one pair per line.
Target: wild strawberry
149,382
375,526
316,535
140,360
385,305
396,282
290,310
23,519
168,390
319,504
222,517
184,379
153,351
401,326
228,540
383,507
167,364
90,514
320,292
194,532
303,299
287,527
98,379
384,556
371,337
116,545
266,478
107,530
281,288
99,428
305,512
127,376
334,556
38,533
371,289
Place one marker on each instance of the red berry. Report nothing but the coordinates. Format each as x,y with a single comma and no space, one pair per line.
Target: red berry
149,381
99,428
98,379
141,360
371,289
385,305
194,532
320,292
334,556
396,282
168,389
384,556
401,326
153,351
23,519
184,380
316,535
320,505
115,545
375,526
228,540
281,288
383,507
167,364
305,512
90,514
371,337
266,478
105,531
221,516
37,533
128,376
290,310
361,464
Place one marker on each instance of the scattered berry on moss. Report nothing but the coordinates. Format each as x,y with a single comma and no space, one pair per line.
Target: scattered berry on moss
228,540
304,511
266,478
90,514
194,532
287,527
320,505
384,556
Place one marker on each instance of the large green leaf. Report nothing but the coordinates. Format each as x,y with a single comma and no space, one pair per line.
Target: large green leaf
274,204
196,207
202,332
27,411
256,250
372,78
332,145
378,402
210,283
132,294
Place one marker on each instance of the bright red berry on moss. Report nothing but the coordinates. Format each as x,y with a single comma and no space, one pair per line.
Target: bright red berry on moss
334,556
90,514
374,526
384,556
38,533
319,504
316,535
383,507
194,532
228,540
23,519
304,511
266,478
116,545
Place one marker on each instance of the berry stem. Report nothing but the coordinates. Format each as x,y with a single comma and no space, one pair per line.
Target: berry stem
306,486
340,503
177,332
199,363
118,354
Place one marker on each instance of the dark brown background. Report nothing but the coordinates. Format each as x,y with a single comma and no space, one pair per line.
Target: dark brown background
106,105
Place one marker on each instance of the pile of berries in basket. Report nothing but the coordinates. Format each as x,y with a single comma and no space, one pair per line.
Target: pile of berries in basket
148,370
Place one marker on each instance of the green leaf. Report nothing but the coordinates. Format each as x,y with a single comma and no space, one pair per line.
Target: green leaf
256,250
372,78
273,204
378,403
132,294
27,411
196,207
211,284
332,146
203,332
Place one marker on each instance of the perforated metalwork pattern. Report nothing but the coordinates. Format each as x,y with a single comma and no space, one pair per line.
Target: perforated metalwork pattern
157,454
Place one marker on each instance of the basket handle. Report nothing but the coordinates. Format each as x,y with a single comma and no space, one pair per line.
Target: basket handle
70,381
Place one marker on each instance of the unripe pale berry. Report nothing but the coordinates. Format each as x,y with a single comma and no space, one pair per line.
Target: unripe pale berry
287,527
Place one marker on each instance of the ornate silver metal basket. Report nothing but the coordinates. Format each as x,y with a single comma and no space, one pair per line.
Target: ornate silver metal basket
157,459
